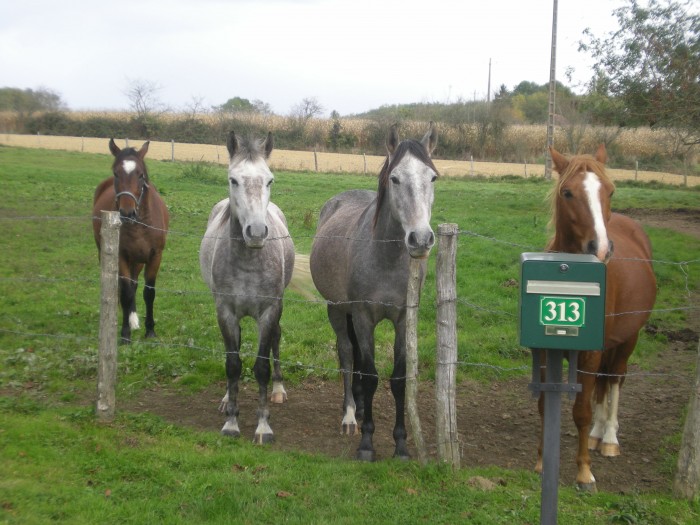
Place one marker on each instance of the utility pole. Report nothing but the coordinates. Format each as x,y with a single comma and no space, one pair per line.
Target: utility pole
552,91
488,91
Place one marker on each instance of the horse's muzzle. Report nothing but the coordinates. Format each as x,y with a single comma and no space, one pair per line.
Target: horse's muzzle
420,244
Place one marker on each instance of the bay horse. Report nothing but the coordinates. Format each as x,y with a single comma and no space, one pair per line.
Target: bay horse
246,258
360,264
584,223
142,234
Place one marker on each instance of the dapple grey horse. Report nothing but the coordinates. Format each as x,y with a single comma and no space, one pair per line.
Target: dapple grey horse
359,263
246,258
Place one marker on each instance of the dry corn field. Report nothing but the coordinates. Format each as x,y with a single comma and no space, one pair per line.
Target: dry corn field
321,161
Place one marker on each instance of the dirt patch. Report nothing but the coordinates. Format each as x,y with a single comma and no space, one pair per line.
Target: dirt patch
498,423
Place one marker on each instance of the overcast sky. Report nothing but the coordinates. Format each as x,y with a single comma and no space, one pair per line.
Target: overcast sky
351,55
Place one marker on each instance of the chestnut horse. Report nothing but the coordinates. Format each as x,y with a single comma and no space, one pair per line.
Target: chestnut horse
583,223
142,234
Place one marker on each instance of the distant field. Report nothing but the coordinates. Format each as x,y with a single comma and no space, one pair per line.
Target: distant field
323,162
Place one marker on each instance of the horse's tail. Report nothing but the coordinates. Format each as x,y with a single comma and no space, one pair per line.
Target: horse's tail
301,282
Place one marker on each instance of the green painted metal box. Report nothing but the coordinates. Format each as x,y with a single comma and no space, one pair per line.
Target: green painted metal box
562,301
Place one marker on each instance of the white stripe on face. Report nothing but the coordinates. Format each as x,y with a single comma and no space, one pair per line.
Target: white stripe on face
592,186
129,166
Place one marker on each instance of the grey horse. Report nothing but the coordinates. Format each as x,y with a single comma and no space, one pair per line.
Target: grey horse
359,263
246,258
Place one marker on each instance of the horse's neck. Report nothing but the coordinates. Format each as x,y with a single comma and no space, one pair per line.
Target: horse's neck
387,228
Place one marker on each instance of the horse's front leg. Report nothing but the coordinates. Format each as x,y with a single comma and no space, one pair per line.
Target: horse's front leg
231,331
364,331
342,325
149,293
398,389
127,299
268,331
582,414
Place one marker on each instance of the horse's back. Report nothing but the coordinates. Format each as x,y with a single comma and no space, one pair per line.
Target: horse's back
340,220
630,280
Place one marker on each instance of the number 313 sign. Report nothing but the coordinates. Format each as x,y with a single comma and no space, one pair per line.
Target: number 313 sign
562,311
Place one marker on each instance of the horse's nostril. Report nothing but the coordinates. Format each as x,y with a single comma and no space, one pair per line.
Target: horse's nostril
412,239
266,231
592,247
431,239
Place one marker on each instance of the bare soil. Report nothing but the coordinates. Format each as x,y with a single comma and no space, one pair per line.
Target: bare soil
498,422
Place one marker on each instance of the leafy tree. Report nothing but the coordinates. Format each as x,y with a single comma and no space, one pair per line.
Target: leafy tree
237,105
651,64
27,101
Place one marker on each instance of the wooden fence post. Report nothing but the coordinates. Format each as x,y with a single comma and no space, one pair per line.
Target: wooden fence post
109,302
412,301
172,150
315,160
446,362
687,482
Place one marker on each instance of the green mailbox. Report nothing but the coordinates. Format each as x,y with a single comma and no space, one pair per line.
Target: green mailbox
562,301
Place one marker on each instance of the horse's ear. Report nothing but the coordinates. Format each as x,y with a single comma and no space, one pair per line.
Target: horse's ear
601,155
429,140
392,140
114,148
231,144
268,145
559,160
144,149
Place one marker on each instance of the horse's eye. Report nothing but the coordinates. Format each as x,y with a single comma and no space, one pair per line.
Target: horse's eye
434,178
270,182
233,182
394,180
567,194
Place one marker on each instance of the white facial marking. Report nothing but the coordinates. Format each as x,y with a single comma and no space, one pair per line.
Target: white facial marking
592,186
134,321
129,166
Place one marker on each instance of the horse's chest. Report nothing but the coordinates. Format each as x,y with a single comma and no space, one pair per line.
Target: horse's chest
136,247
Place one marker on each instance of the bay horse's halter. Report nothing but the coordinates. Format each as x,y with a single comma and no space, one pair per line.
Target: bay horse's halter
144,187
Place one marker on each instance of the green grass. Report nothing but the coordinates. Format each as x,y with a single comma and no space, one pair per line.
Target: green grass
58,464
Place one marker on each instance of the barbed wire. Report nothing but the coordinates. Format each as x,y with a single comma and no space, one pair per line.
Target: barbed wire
289,364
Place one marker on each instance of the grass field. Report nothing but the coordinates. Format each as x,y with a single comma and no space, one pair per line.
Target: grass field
59,465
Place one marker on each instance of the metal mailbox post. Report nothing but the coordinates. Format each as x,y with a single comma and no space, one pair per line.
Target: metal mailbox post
562,310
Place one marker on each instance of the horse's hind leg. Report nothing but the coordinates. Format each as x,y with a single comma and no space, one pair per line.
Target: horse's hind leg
231,332
149,293
364,330
127,299
279,394
341,324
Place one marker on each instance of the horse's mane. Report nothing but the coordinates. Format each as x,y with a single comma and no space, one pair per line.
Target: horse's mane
577,164
413,147
250,148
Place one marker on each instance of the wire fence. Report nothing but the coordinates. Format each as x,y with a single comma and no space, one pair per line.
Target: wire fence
685,267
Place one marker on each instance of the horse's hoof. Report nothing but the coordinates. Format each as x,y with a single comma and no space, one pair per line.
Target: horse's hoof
278,397
263,439
350,429
589,488
231,429
593,443
403,456
609,450
150,334
230,433
365,455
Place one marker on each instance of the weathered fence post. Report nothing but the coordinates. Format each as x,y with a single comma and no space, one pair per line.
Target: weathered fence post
172,150
315,160
109,281
471,160
687,482
412,301
636,169
446,365
364,159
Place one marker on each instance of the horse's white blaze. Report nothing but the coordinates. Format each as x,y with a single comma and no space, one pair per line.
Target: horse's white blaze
129,166
592,186
134,321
